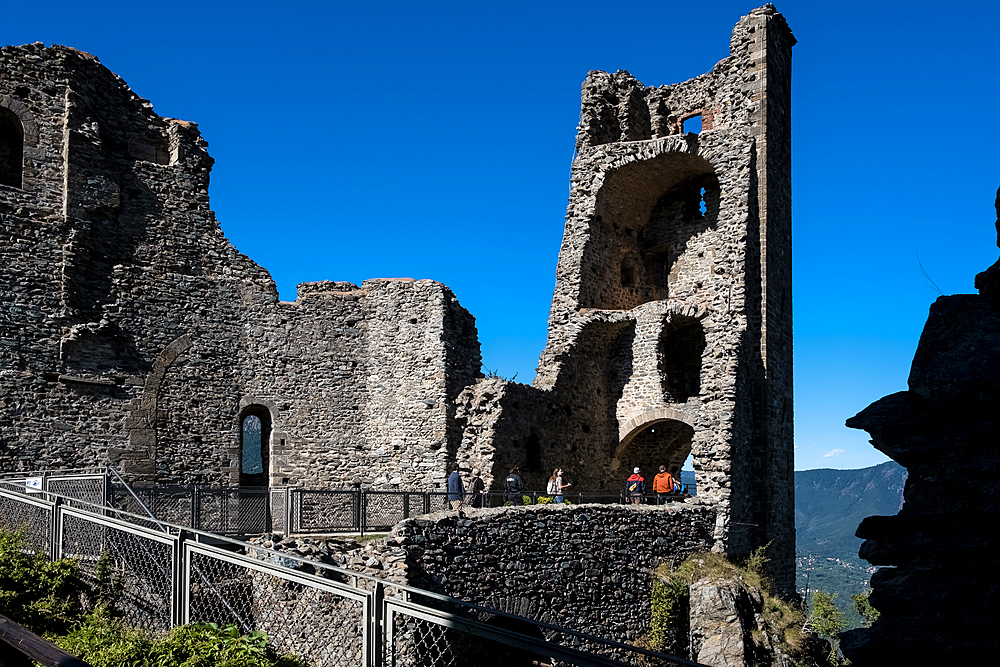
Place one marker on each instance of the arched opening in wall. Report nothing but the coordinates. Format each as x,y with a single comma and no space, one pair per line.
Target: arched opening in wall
665,442
680,215
11,148
255,436
648,239
681,347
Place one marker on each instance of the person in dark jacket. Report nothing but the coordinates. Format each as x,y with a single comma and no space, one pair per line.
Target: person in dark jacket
476,489
635,486
456,488
513,486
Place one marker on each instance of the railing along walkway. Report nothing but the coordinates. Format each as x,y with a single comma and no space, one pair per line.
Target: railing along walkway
172,574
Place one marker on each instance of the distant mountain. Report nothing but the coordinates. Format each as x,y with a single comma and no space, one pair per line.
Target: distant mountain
829,505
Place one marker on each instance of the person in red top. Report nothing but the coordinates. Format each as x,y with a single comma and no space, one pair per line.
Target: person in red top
635,486
663,484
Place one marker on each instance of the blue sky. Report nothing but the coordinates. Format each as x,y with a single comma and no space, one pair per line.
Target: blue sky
433,140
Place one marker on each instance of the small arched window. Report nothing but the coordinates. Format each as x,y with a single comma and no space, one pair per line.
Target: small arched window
255,435
11,148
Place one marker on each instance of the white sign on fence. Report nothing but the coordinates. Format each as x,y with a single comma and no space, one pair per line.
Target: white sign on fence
33,484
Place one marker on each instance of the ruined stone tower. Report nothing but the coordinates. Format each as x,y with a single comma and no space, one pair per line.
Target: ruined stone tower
670,332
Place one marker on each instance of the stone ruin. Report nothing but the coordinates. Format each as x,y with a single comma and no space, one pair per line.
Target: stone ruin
133,333
937,588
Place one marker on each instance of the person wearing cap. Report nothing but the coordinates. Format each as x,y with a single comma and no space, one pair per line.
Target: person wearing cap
635,486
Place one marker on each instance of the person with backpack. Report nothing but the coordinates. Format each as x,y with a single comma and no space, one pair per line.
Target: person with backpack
475,489
513,486
556,486
635,486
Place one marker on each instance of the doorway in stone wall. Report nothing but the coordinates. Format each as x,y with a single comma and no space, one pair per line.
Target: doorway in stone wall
255,436
11,148
665,442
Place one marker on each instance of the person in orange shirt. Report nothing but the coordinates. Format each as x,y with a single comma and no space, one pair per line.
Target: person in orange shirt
663,484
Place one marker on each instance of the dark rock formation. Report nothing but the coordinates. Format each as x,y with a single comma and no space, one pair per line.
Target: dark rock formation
938,599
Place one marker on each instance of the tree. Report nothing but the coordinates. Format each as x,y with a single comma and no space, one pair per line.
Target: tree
826,619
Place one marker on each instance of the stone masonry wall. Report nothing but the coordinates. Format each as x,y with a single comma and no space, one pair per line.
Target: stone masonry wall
585,567
134,333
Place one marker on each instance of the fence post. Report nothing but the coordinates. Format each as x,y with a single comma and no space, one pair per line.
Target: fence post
107,500
289,496
362,505
195,508
297,502
180,592
376,654
268,519
55,543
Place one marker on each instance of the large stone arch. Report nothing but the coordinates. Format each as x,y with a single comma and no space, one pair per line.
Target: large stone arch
646,208
138,460
660,437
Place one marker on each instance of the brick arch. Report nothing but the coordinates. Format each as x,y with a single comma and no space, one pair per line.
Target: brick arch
28,124
635,425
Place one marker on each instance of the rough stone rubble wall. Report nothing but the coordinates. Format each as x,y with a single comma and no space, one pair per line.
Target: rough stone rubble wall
134,333
585,567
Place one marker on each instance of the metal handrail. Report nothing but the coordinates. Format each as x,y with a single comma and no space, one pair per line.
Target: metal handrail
405,590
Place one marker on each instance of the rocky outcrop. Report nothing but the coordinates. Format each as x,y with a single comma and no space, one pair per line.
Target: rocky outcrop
723,619
937,598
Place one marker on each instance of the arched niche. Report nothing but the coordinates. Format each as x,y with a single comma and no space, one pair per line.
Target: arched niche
646,215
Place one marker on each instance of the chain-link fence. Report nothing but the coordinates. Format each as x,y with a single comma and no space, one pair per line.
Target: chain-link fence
288,510
162,575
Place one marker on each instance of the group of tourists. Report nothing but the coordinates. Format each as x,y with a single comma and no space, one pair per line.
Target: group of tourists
665,484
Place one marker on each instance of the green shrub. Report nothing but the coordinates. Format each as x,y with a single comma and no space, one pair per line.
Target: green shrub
104,641
826,619
868,613
52,599
43,596
783,621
